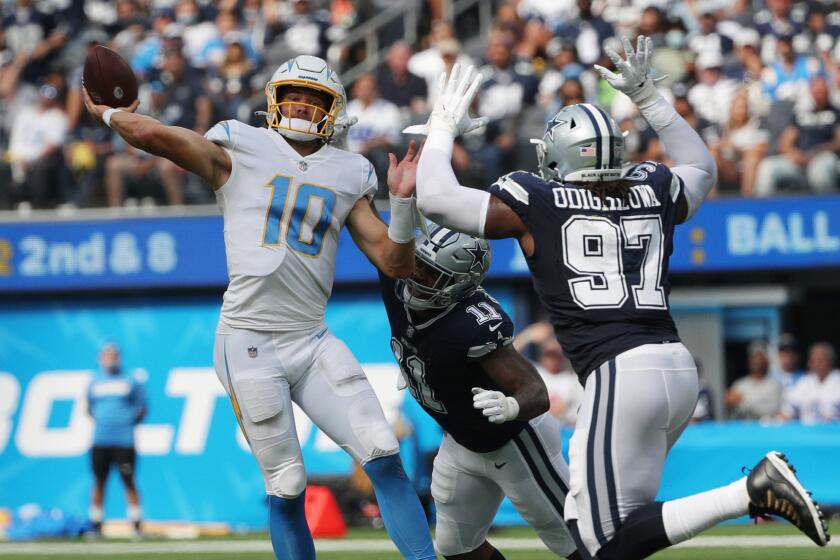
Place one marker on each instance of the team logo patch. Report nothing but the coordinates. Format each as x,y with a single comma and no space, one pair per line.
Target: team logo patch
552,124
587,151
477,253
252,352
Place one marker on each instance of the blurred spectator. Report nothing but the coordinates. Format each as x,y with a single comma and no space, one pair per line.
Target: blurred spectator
652,24
565,392
552,12
378,130
789,371
816,396
34,157
748,69
563,65
713,93
197,32
429,63
788,76
670,61
34,35
304,31
147,53
776,21
808,148
740,149
230,81
505,91
504,94
397,84
117,403
588,31
227,30
756,395
707,38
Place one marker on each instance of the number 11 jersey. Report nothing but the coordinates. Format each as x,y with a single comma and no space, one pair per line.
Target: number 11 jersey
283,214
600,265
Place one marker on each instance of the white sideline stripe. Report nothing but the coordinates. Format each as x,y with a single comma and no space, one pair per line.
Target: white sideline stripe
347,545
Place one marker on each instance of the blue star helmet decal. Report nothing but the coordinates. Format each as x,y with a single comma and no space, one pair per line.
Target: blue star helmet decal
552,124
478,253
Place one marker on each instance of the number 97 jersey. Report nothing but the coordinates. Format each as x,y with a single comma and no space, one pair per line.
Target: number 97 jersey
600,264
283,213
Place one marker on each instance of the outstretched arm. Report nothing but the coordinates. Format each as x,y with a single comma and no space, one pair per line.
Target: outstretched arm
439,195
181,146
523,394
693,163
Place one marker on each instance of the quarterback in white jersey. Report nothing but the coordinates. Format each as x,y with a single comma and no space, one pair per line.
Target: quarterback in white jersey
285,194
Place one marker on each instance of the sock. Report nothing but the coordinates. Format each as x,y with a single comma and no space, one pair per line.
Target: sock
134,515
687,516
95,515
641,534
400,507
290,536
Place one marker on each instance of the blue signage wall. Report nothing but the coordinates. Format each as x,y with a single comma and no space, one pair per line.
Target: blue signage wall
193,463
189,251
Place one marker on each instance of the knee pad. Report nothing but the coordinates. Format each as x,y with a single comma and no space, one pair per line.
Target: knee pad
371,429
286,481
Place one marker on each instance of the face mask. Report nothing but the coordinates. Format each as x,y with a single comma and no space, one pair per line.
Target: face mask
675,39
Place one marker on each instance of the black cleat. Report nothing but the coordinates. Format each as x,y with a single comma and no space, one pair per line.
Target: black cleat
775,490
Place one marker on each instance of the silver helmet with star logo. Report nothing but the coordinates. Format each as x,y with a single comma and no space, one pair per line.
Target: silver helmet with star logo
582,143
449,266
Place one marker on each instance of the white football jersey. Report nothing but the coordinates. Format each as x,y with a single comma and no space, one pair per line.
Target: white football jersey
283,213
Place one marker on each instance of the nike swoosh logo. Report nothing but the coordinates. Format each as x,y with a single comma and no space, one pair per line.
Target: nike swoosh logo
499,465
494,327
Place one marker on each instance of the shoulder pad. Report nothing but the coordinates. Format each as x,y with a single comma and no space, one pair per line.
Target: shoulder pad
517,185
225,133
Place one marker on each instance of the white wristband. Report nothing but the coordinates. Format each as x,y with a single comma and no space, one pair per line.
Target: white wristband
106,116
401,228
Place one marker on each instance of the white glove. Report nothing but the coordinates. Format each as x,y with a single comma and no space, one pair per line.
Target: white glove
634,77
340,127
454,97
495,405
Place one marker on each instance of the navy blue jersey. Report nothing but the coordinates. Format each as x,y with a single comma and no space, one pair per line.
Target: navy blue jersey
600,266
439,361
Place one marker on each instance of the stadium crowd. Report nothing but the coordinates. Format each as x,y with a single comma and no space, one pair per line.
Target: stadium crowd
759,80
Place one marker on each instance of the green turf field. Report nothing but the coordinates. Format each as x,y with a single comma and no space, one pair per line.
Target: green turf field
372,545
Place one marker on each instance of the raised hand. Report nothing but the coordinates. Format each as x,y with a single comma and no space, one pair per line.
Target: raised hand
633,76
455,94
402,176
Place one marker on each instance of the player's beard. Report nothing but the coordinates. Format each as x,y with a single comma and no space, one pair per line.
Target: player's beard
302,130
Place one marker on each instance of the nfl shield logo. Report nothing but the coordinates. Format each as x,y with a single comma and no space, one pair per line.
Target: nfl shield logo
252,351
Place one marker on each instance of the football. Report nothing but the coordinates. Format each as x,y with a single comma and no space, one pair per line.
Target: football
108,78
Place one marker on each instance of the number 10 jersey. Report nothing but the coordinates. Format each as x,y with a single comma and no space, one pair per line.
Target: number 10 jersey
283,213
600,265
